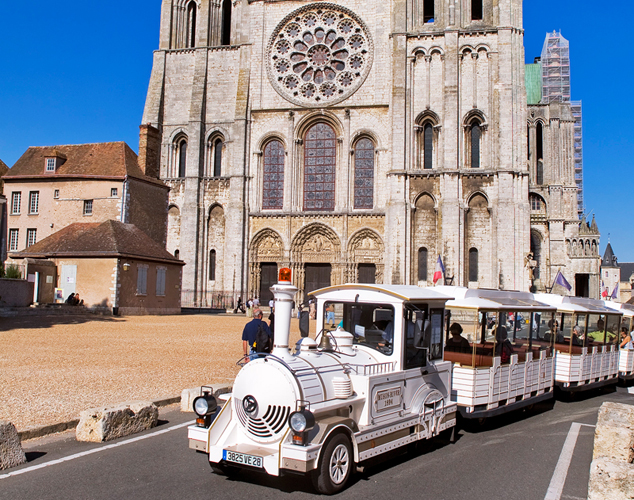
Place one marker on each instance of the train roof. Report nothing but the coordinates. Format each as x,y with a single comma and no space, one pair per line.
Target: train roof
576,304
626,309
478,298
399,292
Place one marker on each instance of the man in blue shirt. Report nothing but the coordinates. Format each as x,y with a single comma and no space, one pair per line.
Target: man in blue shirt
250,331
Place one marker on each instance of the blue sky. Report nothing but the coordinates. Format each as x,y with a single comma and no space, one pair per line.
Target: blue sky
76,72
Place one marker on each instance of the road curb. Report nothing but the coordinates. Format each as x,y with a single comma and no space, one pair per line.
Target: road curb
46,430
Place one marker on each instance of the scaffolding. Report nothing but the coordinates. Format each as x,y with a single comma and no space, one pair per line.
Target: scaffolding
555,62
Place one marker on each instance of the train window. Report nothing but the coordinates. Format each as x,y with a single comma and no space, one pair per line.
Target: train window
596,329
416,342
612,329
539,329
519,324
371,325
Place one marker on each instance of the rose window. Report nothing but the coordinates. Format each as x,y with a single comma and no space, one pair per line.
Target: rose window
319,55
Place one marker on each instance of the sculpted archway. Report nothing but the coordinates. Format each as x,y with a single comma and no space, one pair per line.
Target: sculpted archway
265,247
365,248
316,244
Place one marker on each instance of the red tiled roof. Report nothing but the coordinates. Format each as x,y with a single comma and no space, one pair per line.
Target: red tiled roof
104,159
98,239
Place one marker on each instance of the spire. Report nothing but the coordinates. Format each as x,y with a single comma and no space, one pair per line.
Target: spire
594,226
609,259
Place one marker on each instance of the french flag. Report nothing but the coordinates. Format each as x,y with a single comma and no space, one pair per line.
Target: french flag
439,272
604,290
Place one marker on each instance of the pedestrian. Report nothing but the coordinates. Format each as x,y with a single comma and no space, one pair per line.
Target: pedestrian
256,302
272,325
271,305
239,307
312,308
250,333
249,308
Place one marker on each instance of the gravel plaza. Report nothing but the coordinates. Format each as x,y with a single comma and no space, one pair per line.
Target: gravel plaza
53,367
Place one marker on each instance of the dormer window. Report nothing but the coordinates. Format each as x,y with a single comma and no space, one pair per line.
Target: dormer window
50,164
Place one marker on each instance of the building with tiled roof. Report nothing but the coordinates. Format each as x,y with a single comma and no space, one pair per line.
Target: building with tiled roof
112,265
3,215
49,188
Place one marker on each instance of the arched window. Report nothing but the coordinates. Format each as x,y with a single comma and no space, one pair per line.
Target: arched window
225,36
182,158
364,174
319,167
473,264
476,10
428,11
177,253
191,24
212,265
428,146
536,250
217,157
422,264
537,203
273,176
475,136
539,130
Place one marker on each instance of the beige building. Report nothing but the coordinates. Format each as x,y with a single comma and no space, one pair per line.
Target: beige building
111,265
49,188
351,141
3,215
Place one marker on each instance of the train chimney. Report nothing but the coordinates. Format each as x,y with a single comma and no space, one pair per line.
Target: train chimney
283,293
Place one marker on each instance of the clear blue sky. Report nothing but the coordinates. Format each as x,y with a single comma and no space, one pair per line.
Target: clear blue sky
76,72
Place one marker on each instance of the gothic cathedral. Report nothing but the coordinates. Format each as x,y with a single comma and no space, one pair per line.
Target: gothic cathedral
353,141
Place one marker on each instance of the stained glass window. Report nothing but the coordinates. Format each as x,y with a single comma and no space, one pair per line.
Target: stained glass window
364,174
319,168
273,176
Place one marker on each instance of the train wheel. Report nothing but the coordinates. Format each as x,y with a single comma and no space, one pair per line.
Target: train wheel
335,465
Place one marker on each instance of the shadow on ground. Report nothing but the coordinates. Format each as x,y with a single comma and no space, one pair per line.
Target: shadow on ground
37,322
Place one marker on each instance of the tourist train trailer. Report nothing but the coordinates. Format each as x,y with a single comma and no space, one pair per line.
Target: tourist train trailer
383,373
626,356
362,391
509,362
586,342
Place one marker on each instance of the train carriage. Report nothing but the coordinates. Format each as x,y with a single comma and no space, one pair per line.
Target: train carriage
585,333
508,362
626,356
375,381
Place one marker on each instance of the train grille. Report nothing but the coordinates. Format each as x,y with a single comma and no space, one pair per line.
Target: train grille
271,424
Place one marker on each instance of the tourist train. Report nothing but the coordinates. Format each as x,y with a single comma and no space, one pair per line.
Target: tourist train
397,364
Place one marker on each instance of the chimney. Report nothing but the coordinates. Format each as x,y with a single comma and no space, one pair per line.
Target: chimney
283,292
149,150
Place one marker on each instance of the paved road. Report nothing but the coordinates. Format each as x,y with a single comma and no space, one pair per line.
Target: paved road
510,457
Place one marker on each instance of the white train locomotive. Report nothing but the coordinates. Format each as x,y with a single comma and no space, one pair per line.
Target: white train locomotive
375,383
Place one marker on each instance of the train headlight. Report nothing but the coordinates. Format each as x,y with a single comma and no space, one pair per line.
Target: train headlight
205,405
300,423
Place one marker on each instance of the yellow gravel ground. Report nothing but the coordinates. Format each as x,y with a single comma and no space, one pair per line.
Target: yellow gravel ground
51,368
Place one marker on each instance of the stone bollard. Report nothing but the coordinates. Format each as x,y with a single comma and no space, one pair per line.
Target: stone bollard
11,452
108,423
612,468
188,395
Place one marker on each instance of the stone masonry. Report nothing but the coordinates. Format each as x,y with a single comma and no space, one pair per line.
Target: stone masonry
439,95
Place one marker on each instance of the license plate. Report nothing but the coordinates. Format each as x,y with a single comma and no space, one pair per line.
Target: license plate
242,458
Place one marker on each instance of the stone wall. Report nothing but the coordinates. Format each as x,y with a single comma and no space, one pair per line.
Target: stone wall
15,293
612,468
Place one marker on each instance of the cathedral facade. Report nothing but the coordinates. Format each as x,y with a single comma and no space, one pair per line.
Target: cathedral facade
353,141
